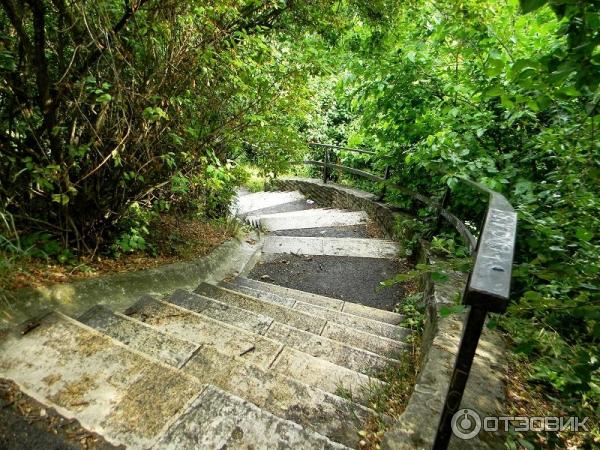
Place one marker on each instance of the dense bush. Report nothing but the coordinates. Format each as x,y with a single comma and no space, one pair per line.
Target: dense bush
108,105
507,94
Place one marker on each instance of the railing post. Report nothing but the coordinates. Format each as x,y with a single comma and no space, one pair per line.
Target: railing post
443,206
386,176
464,360
326,166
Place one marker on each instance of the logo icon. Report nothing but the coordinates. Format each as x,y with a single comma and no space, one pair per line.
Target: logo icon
466,423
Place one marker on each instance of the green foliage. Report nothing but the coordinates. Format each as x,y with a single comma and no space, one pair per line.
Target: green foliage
134,231
412,308
103,106
505,93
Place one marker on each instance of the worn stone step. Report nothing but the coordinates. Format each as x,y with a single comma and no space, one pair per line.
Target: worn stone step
314,409
261,351
390,348
261,200
231,314
280,294
312,218
331,246
313,314
258,370
278,312
111,389
139,335
340,353
308,342
287,296
296,205
219,420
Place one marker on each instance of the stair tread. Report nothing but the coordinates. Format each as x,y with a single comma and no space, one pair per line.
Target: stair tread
110,389
139,336
284,294
218,420
310,218
280,313
261,200
312,316
295,205
339,353
312,408
252,321
262,351
331,246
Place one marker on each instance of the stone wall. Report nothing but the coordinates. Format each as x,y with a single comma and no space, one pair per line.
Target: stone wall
416,428
336,196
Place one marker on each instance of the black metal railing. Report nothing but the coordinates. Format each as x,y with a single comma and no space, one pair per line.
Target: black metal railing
327,164
488,284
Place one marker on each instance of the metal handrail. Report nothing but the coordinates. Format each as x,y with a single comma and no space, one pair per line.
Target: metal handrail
488,285
339,147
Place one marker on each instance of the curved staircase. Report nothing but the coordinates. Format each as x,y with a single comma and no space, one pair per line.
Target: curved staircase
239,364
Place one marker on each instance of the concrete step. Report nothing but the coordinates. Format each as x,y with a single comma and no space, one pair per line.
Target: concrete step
135,401
280,313
139,336
288,296
254,321
220,420
353,247
312,218
340,353
314,316
258,370
314,409
112,390
264,352
260,200
390,348
296,205
355,359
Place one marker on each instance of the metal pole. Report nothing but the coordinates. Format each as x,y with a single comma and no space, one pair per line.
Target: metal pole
325,174
443,205
386,176
464,360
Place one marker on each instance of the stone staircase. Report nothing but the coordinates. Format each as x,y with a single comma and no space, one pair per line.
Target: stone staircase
238,364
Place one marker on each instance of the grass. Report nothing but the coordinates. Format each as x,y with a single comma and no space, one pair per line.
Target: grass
525,398
389,399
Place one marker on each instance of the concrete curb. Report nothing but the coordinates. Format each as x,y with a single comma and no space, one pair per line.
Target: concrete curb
118,291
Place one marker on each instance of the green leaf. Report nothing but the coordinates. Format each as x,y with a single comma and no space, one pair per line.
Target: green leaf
584,235
104,98
445,311
495,91
62,199
494,67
